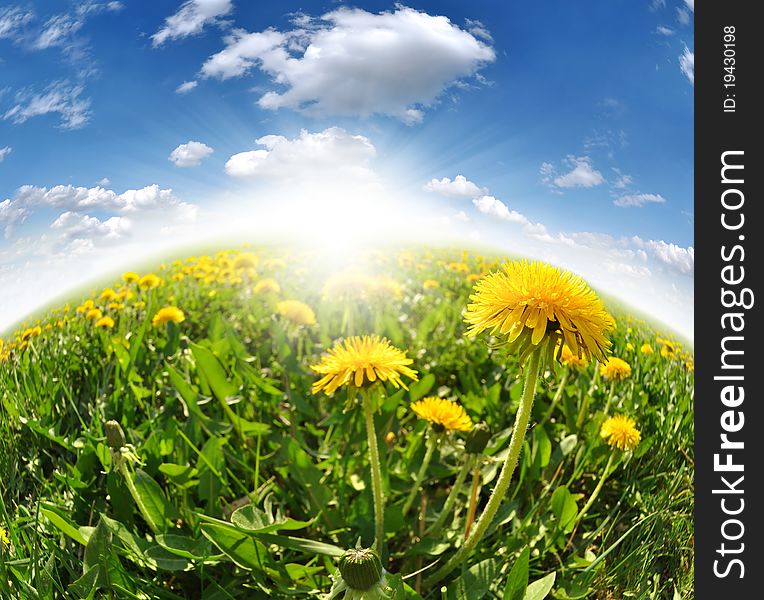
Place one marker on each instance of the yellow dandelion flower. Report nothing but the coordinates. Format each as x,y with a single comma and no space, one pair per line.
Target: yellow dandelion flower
385,286
621,432
149,282
615,369
130,277
443,413
85,307
668,350
646,349
5,541
457,267
116,306
296,312
430,284
275,264
104,323
359,359
690,366
266,286
93,314
473,277
629,347
140,304
245,260
108,295
167,314
572,360
534,302
30,333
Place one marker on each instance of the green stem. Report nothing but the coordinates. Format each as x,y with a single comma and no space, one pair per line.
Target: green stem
128,477
452,496
557,396
432,441
584,408
376,473
597,489
505,477
610,396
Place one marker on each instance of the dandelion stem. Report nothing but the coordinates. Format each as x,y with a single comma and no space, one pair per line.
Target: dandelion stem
432,441
472,507
128,477
452,496
505,477
610,396
557,396
594,495
376,473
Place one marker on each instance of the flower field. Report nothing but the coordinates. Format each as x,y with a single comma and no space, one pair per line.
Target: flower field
438,423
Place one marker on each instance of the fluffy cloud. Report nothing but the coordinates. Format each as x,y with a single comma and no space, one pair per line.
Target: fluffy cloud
186,87
76,226
190,154
355,63
674,257
690,4
191,19
323,154
663,30
10,214
460,187
5,152
687,64
494,207
623,181
638,200
581,173
60,97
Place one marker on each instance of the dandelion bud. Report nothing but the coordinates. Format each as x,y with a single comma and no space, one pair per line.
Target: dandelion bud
360,568
477,439
115,437
390,438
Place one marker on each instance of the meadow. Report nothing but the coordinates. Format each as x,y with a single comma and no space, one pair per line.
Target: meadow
176,434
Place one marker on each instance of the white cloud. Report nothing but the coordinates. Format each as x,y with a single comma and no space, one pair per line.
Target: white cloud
191,19
190,154
325,154
494,207
623,181
663,30
676,258
690,4
76,226
657,4
638,200
687,64
683,16
354,63
186,87
59,30
60,97
12,22
5,152
459,187
10,214
581,173
104,181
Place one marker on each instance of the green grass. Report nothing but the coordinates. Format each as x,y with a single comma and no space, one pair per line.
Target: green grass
219,411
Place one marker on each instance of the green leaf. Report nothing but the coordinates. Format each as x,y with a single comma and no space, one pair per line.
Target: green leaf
420,388
568,443
517,582
539,589
166,560
62,523
564,507
85,587
302,544
241,548
158,510
213,372
211,464
474,583
253,519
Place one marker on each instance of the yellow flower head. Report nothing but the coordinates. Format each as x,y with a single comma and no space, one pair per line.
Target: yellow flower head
149,282
266,286
443,413
167,314
646,349
668,349
360,358
245,260
85,307
620,432
30,333
130,277
384,286
108,295
629,347
5,541
93,314
104,323
430,284
572,360
615,369
532,303
296,312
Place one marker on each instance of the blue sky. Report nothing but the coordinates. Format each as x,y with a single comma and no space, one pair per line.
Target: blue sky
561,130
